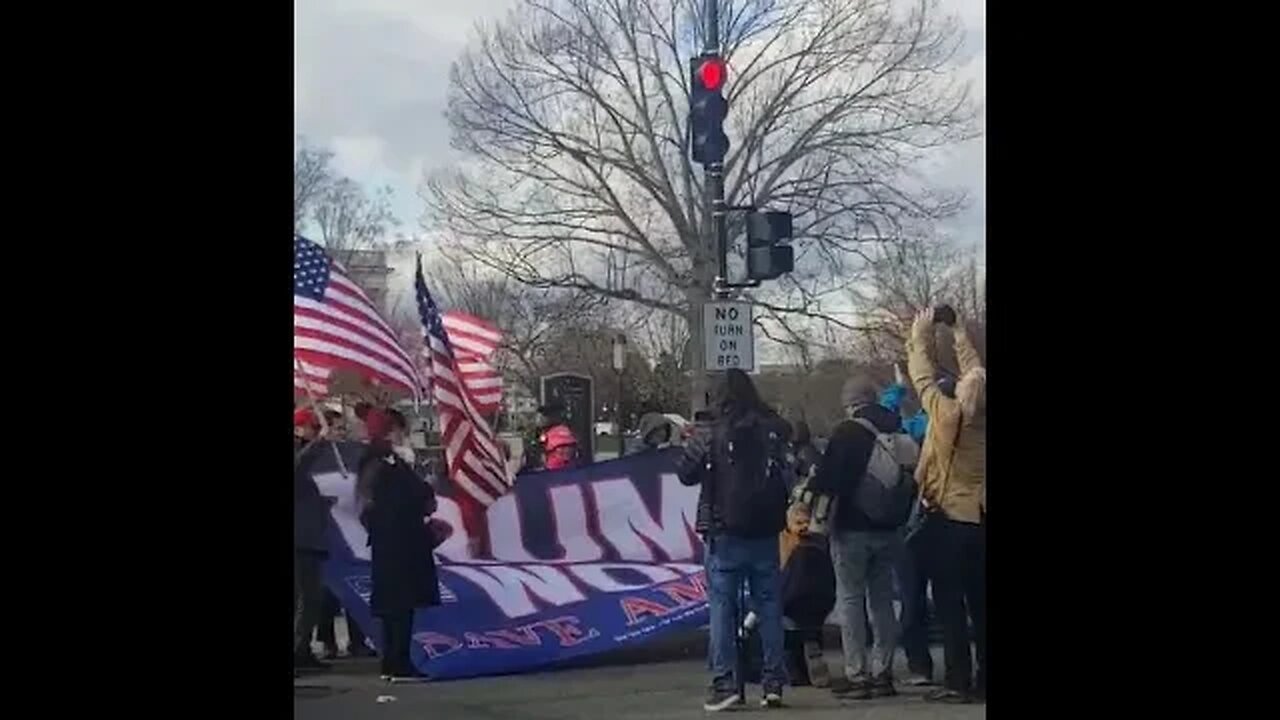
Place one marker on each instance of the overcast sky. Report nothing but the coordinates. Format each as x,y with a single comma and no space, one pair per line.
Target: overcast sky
370,78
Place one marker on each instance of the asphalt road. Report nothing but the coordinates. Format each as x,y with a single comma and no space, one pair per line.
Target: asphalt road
661,690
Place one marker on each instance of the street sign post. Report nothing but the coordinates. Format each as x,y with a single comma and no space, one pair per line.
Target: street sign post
728,336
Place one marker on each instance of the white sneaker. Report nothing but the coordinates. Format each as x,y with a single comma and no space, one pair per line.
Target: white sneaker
718,700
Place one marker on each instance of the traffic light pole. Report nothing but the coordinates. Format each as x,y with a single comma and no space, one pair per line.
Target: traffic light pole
715,190
714,172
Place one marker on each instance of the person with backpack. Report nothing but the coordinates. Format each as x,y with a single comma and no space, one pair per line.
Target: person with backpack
868,470
740,463
952,476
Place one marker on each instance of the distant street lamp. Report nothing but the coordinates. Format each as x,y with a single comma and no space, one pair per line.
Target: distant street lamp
619,364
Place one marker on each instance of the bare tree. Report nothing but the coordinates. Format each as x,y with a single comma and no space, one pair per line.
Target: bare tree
351,220
572,113
535,322
347,218
663,334
923,270
813,394
311,174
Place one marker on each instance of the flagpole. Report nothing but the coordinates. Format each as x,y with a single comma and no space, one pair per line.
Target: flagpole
315,408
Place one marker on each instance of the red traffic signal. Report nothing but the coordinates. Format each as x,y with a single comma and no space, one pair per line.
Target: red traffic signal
707,109
712,73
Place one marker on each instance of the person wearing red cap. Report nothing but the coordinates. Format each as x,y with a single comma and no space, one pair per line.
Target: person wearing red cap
559,445
393,501
310,520
306,427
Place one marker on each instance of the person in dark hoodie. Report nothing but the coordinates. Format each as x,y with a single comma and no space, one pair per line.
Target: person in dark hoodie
393,501
863,552
310,520
740,464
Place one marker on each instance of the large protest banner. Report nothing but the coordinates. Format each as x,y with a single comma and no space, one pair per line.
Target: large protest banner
581,561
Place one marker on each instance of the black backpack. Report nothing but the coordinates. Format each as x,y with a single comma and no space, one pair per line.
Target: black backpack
751,477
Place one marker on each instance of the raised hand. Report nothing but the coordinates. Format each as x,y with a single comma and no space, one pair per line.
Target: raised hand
922,325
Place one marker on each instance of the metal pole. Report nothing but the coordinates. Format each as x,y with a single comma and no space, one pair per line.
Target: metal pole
714,172
715,185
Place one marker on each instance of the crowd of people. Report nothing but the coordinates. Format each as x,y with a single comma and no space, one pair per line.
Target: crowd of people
888,497
804,528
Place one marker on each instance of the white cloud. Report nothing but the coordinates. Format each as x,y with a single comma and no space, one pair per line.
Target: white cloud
358,155
371,76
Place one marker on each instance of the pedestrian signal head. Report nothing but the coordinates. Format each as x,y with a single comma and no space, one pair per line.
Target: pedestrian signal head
768,254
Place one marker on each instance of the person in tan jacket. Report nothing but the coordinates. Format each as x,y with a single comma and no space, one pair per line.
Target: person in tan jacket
952,477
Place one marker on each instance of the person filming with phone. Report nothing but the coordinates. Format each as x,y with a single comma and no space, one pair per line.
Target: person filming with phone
952,478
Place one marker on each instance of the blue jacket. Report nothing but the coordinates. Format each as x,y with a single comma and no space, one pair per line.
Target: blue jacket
891,399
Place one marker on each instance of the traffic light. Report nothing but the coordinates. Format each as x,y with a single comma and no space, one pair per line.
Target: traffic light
767,256
707,109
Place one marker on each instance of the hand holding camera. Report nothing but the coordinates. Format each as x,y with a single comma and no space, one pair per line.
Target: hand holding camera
945,314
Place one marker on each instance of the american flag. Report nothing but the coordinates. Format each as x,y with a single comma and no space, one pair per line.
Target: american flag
476,467
335,325
474,342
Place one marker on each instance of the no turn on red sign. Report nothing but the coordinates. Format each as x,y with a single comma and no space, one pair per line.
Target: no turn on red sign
728,336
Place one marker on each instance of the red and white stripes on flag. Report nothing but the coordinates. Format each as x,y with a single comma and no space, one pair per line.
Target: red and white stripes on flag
474,341
335,325
476,466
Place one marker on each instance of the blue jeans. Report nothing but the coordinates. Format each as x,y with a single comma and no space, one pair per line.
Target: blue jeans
730,561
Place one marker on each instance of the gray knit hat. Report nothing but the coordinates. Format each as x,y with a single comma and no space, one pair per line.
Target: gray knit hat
858,390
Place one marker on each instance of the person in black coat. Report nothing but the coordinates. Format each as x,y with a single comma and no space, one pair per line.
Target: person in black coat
394,504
